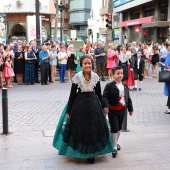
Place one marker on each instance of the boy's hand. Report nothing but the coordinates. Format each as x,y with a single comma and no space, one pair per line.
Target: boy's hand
130,113
106,110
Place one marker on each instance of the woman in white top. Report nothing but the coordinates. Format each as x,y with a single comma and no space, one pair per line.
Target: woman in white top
62,59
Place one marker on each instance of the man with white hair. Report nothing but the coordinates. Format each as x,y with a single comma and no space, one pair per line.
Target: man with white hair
99,54
44,65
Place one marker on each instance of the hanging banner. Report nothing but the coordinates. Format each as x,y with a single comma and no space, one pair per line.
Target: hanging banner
31,28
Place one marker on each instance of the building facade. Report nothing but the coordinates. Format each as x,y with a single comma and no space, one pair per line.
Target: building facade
95,21
141,20
79,14
15,20
66,27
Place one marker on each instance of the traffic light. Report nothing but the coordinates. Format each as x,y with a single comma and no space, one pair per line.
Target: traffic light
90,31
108,20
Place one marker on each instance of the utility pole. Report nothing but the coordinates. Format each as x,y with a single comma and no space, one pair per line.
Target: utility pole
56,20
37,23
109,31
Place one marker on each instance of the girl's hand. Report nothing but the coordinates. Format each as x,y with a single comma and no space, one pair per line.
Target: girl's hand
67,116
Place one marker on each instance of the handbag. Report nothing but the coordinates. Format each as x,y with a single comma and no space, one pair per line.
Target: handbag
164,76
162,60
58,64
150,59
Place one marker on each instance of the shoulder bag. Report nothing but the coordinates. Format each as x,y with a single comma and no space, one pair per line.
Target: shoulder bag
164,76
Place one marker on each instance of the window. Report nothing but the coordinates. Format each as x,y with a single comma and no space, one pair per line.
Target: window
66,21
164,13
135,15
149,12
65,31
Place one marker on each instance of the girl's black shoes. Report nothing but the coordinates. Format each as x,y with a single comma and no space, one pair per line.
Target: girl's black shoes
90,160
114,153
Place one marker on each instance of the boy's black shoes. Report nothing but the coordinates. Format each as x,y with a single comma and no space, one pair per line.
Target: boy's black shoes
114,153
118,147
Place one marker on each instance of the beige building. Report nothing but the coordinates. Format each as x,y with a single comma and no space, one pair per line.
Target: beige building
17,11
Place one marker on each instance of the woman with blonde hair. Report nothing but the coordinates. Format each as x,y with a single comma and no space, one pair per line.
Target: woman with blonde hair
155,60
70,62
111,56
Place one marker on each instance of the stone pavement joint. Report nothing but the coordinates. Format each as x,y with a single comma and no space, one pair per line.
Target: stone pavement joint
35,110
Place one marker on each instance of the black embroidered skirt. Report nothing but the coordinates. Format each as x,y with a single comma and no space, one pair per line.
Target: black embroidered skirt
86,131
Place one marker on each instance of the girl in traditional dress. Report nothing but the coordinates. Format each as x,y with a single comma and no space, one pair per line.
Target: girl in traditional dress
130,80
123,62
86,133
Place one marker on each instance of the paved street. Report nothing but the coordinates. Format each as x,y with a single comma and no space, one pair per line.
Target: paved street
35,110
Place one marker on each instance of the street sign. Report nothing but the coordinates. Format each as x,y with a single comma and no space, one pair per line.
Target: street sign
138,29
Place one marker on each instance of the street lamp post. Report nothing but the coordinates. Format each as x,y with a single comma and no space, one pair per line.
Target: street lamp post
37,23
61,8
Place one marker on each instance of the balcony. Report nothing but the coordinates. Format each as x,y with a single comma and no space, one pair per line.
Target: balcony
103,11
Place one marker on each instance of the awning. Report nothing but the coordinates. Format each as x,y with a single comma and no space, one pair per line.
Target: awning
156,24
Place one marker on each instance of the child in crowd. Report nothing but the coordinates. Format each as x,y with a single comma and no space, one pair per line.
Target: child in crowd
115,106
7,71
1,69
138,68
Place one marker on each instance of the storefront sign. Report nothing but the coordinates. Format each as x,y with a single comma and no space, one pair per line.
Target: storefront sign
117,3
136,22
145,33
138,29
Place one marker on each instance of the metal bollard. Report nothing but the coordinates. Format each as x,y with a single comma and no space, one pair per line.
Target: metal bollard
124,125
5,110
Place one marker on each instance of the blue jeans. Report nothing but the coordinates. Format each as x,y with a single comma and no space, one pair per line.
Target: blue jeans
62,71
